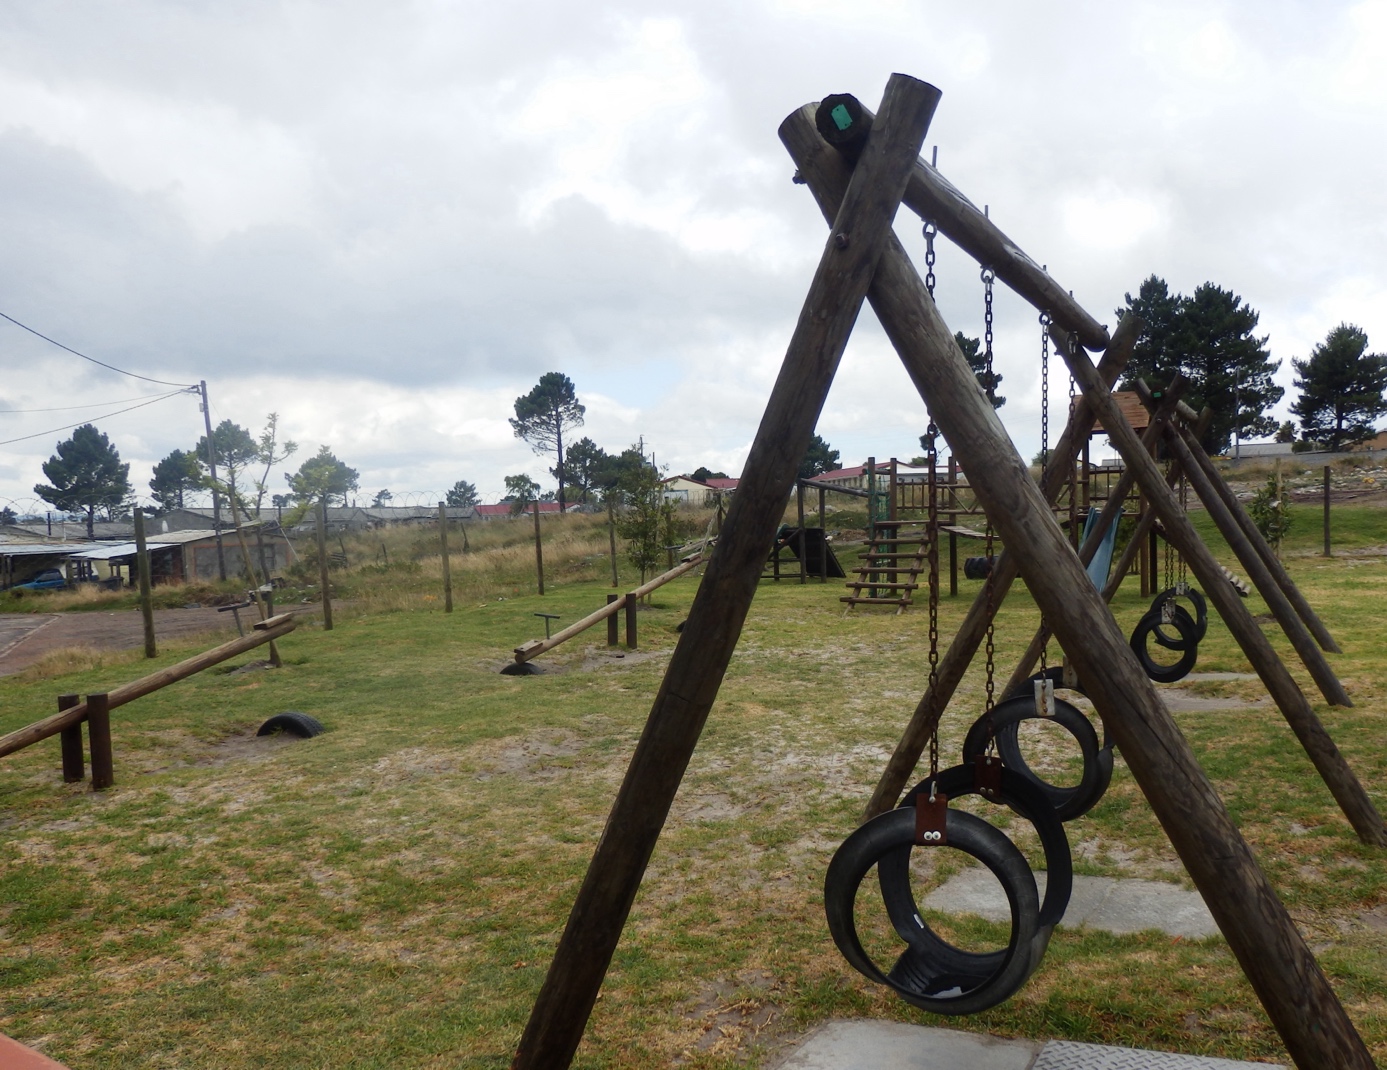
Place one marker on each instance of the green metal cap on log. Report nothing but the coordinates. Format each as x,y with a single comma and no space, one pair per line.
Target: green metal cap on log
844,123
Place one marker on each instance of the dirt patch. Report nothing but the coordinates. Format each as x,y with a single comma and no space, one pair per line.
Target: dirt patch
26,638
537,757
730,1015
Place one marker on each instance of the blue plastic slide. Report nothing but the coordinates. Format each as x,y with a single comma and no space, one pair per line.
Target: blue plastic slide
1101,564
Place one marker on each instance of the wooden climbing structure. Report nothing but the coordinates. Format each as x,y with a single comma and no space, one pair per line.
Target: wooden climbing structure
860,168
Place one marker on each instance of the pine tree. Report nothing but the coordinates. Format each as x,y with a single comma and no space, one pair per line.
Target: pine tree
1208,337
544,414
977,360
461,495
819,458
174,476
1154,357
1341,389
86,474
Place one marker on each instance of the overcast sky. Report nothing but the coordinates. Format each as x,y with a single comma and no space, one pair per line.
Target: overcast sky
386,221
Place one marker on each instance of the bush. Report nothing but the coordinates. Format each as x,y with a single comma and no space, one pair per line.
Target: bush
1270,512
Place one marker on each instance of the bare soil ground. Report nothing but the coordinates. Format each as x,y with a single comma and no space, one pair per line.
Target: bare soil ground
26,637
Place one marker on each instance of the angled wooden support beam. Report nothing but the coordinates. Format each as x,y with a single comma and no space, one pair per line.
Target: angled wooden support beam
1256,647
859,233
1272,592
1270,949
1256,540
973,630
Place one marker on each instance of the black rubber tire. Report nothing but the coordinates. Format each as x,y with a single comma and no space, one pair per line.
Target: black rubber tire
1200,619
917,976
1165,674
1006,718
1025,801
293,722
978,568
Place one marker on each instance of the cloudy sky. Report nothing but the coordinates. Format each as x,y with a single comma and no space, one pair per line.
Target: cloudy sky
386,221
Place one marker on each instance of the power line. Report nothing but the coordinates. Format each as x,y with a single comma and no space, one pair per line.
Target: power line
102,363
69,408
79,423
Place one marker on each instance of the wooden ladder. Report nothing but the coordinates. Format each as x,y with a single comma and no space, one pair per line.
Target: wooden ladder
898,553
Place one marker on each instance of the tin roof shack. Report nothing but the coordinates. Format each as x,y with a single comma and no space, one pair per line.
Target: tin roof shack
191,556
21,562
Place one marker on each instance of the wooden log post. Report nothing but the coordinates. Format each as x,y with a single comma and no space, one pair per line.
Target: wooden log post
74,764
612,629
973,630
443,551
803,556
99,738
539,552
632,604
719,609
146,594
1272,593
1327,551
322,566
1261,934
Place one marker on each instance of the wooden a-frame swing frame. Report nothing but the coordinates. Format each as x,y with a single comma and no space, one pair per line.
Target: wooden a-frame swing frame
863,258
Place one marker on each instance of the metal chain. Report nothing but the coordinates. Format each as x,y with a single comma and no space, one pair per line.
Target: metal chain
930,230
1044,435
932,459
988,276
1044,395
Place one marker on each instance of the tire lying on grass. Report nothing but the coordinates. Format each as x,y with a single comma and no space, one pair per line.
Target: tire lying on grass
293,722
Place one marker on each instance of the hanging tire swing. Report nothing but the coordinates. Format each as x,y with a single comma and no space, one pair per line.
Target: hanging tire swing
1200,619
1005,719
1148,627
1016,792
930,973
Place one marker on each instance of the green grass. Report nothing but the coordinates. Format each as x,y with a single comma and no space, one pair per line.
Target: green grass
389,894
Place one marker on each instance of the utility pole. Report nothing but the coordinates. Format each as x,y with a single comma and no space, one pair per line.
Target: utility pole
212,468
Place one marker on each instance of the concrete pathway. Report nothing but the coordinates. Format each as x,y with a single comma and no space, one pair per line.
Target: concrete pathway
866,1045
1115,905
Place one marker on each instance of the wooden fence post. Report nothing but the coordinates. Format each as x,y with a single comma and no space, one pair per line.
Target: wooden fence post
612,635
99,738
1327,551
146,596
443,549
632,604
74,764
322,565
539,552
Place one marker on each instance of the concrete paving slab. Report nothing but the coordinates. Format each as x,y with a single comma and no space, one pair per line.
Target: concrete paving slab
1115,905
1068,1055
862,1045
870,1045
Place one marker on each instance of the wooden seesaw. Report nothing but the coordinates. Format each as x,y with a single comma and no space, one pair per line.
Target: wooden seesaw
96,710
